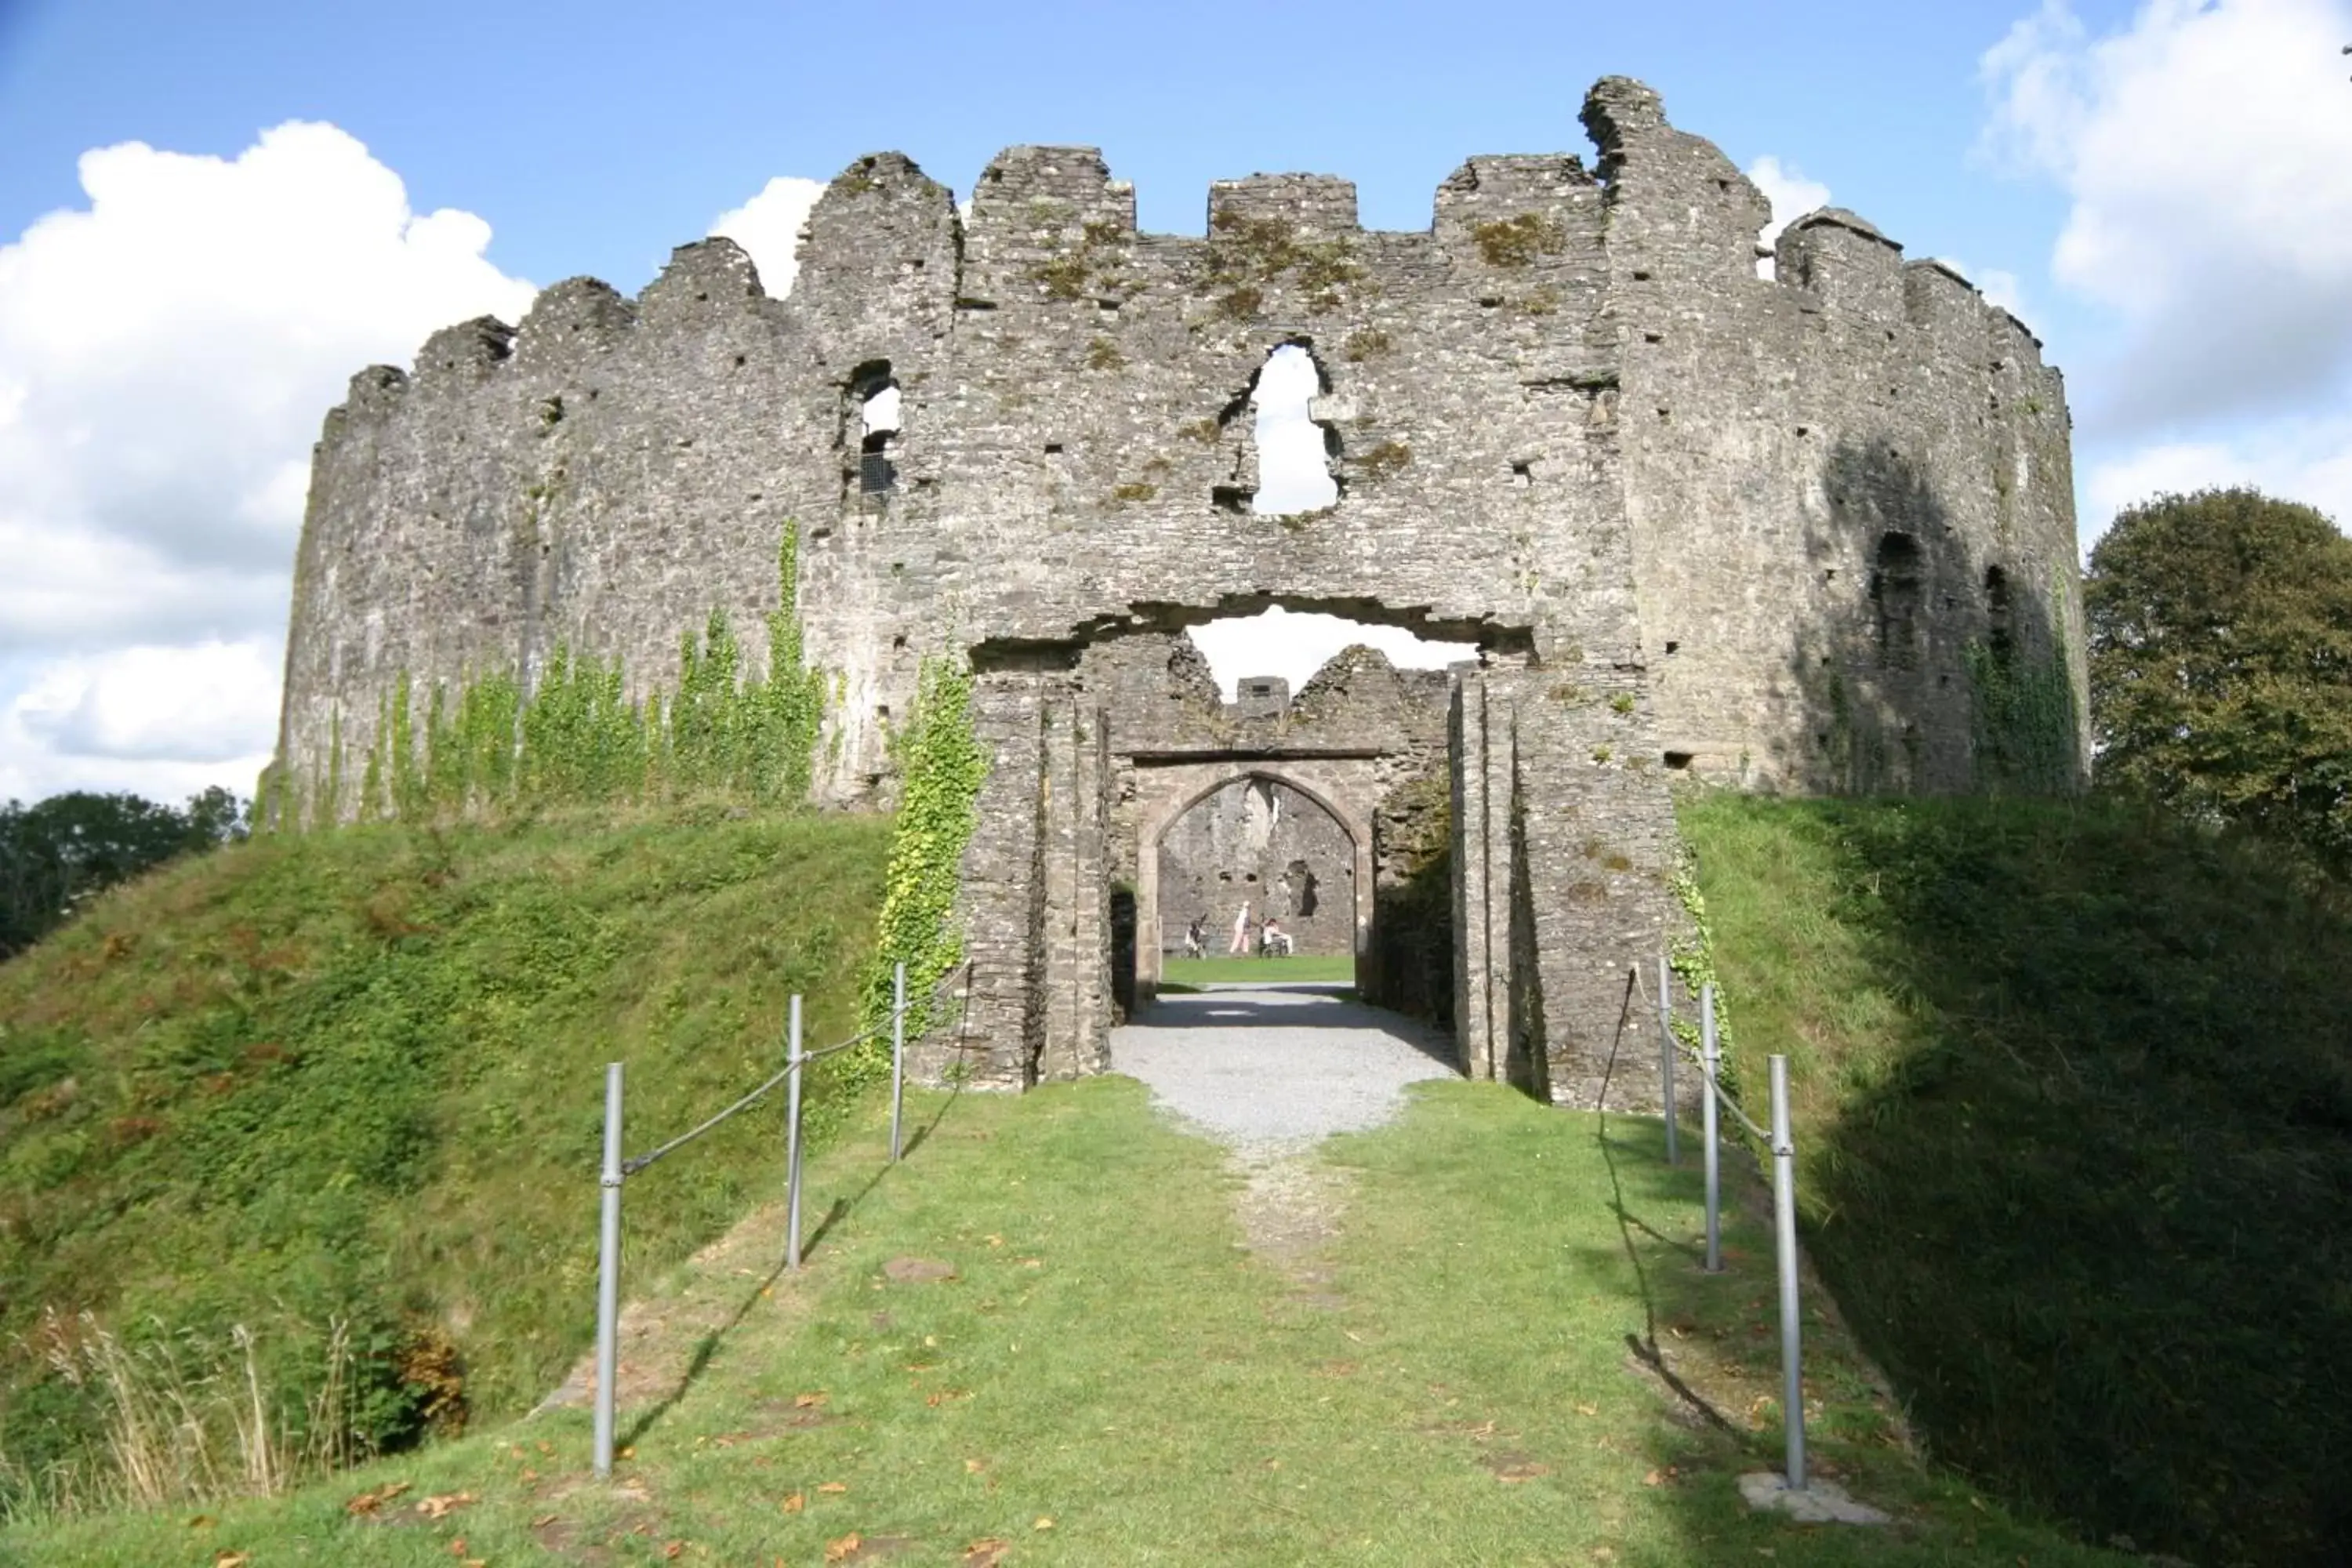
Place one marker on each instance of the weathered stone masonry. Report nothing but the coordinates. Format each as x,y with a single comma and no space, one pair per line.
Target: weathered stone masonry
1699,523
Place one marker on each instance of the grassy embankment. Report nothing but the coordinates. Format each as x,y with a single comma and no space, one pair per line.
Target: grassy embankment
1108,1379
357,1076
2073,1096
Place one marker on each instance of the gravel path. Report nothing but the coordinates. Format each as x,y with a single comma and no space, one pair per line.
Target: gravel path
1270,1071
1280,1064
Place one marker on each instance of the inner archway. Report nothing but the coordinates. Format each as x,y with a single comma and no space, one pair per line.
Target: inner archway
1312,809
1257,869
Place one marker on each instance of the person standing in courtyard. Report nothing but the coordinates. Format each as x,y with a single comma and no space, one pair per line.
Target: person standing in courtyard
1239,946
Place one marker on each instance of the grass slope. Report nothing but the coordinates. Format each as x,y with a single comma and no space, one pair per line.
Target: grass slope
358,1076
2075,1106
1110,1379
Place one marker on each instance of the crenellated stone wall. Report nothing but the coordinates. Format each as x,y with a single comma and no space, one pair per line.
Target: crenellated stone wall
1775,532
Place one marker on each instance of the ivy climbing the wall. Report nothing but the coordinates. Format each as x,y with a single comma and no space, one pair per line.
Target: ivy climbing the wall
2026,728
1692,958
942,770
579,739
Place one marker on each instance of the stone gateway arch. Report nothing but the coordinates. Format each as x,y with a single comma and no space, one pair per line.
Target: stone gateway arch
1807,532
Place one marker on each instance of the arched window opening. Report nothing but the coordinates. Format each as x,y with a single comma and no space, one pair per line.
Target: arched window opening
2000,634
1895,585
878,429
1293,453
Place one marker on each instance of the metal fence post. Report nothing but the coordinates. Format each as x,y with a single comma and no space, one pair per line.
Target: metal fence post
897,1053
792,1144
1784,1216
608,1273
1709,1132
1666,1059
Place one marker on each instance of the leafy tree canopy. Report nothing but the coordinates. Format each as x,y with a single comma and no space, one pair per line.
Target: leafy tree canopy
58,852
2220,651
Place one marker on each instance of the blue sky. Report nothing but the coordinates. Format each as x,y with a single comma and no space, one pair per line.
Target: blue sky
2163,189
594,136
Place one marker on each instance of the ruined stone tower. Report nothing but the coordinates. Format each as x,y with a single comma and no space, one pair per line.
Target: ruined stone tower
1806,532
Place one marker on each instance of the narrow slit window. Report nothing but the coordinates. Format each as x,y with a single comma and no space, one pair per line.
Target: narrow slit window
878,420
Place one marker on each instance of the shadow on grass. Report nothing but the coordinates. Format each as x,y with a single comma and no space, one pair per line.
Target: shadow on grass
835,1212
2075,1120
1645,1346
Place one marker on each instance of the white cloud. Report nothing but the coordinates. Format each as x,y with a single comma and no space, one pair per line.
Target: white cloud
2206,148
1792,197
161,721
167,352
212,702
1294,645
769,226
2308,460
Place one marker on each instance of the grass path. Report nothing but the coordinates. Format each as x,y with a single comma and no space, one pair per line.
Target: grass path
1221,969
1113,1376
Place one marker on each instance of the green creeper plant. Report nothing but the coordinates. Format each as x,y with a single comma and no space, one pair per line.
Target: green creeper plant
943,768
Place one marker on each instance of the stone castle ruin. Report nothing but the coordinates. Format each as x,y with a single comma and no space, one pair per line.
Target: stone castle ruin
1807,532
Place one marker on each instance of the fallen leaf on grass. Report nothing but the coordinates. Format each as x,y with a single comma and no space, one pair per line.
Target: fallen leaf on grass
1043,1523
809,1401
443,1505
202,1521
986,1552
834,1487
945,1395
795,1502
844,1549
542,1522
974,1467
232,1559
1588,1410
367,1503
672,1551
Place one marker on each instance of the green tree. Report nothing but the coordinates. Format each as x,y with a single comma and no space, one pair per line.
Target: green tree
58,852
2220,651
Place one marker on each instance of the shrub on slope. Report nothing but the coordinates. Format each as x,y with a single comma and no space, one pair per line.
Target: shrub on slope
2075,1108
358,1077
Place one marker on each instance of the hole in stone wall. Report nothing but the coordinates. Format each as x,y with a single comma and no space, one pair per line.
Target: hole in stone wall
1268,658
878,427
1895,589
1678,759
1294,460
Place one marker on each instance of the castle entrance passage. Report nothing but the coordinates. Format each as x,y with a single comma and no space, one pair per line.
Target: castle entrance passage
1232,842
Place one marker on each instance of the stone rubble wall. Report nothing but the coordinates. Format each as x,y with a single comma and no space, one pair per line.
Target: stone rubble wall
1698,521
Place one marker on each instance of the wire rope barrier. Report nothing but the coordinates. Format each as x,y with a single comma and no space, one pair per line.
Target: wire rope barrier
617,1170
1779,1141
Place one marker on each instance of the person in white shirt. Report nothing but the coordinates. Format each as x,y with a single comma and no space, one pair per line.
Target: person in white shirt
1273,939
